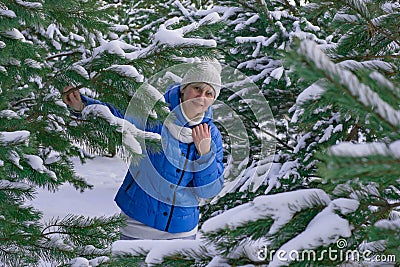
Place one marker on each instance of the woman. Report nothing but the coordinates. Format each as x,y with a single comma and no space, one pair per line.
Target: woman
159,196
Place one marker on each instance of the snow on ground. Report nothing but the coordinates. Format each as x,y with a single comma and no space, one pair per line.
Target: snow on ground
105,174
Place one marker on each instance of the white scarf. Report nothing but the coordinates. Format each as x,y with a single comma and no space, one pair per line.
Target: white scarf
183,134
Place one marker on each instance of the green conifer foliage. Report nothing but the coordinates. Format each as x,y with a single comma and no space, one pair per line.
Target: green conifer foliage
256,37
46,45
361,81
35,144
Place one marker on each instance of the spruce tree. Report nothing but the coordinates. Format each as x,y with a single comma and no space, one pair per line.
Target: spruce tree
35,146
360,86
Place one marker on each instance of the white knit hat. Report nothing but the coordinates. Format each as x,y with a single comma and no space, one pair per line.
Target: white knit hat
207,72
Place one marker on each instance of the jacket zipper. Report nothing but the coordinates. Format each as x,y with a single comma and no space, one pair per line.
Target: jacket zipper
179,182
131,182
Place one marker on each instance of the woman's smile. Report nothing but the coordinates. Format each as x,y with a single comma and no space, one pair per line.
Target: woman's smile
197,103
197,97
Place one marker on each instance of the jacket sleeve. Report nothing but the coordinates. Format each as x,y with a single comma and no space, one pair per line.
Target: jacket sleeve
209,179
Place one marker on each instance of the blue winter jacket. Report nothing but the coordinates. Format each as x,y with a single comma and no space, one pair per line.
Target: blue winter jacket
163,190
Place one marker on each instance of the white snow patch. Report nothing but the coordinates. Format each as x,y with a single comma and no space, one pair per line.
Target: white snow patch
301,143
79,262
81,71
15,158
218,261
98,261
50,30
9,114
129,131
372,64
76,37
210,19
324,229
176,37
127,71
327,134
106,174
183,9
390,7
348,149
361,91
7,13
313,92
120,28
9,138
156,249
113,47
264,41
344,205
33,63
346,17
277,73
382,80
338,128
15,34
26,4
4,184
388,224
395,149
311,27
280,207
37,164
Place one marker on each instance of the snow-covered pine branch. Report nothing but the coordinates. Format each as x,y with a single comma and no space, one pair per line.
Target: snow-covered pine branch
370,64
41,47
360,6
382,80
7,185
324,229
29,5
37,164
280,207
388,224
127,71
163,37
129,131
175,37
348,149
157,250
7,13
13,138
364,94
261,172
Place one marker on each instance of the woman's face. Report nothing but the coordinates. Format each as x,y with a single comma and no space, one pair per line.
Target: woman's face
196,99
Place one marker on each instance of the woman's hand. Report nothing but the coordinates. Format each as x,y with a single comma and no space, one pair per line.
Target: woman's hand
202,138
73,99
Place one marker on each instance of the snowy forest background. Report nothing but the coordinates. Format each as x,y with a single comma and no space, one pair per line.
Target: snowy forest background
330,73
